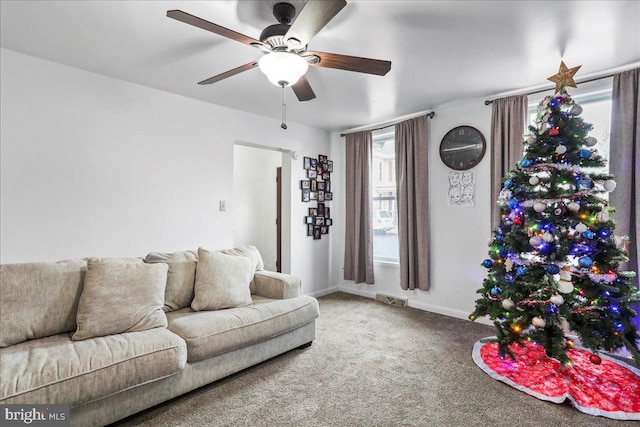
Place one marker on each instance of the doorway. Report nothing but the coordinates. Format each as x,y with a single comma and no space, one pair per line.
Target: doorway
259,202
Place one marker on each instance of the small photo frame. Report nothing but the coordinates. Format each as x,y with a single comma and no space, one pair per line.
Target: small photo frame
313,164
310,229
306,195
327,212
305,184
328,222
327,186
329,165
313,196
313,185
308,220
319,169
321,196
321,209
324,230
313,211
328,195
321,186
326,175
319,220
317,233
322,158
312,174
306,163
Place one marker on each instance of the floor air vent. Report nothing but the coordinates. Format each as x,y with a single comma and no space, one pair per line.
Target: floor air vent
386,299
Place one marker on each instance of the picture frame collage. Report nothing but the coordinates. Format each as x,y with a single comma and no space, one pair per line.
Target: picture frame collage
317,188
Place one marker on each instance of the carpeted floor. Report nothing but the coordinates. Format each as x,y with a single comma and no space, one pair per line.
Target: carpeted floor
370,365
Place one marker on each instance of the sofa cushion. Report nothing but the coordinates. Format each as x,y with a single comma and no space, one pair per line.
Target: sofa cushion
58,370
250,252
209,333
39,299
222,281
121,296
181,277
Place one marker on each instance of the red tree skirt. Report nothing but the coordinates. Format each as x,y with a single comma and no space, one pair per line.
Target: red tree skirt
611,389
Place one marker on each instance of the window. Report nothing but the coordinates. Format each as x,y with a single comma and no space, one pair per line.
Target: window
384,207
595,100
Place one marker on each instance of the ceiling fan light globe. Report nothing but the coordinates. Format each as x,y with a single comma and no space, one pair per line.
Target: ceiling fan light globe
282,67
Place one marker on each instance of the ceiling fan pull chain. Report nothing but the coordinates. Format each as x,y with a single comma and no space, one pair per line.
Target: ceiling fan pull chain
284,108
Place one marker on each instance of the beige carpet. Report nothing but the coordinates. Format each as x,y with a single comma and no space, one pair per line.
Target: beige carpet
370,365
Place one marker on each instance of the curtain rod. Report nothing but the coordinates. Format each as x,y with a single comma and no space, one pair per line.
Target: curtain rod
490,101
430,115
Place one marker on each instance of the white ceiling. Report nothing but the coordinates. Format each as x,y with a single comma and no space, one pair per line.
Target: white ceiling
441,51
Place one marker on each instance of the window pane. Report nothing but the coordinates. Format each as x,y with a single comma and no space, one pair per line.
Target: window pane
385,225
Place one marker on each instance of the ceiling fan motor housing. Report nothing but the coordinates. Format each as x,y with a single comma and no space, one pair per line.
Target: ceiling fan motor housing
284,12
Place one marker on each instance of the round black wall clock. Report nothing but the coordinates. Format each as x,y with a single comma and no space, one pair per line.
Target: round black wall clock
462,147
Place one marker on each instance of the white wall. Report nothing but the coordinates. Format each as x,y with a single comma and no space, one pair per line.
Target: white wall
254,200
94,166
458,235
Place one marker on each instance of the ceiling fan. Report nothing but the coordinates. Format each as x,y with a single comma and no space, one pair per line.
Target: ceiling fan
286,58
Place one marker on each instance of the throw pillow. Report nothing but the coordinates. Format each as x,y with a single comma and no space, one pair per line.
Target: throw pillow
250,252
120,296
222,281
180,278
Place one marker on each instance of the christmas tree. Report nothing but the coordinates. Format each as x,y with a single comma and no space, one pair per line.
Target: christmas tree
553,265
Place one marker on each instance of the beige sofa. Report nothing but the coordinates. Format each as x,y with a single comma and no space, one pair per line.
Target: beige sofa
107,378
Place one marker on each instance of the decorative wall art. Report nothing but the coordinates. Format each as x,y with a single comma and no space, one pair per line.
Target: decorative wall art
317,188
462,189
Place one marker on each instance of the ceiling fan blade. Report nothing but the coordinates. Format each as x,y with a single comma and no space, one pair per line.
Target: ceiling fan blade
350,63
229,73
312,18
214,28
303,90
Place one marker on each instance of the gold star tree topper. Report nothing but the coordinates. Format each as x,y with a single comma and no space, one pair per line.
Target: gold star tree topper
564,76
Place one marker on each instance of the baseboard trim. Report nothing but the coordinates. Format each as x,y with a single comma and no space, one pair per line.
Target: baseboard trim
446,311
323,292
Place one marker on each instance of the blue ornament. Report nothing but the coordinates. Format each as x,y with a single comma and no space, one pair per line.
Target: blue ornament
588,234
618,327
546,248
583,184
495,291
508,183
552,269
521,270
584,153
499,237
487,263
525,163
552,309
604,233
509,278
585,262
614,309
555,102
513,203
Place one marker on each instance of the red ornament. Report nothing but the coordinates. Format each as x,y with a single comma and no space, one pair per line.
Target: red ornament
595,359
517,220
554,132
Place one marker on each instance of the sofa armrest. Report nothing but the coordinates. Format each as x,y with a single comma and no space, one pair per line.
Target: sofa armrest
270,284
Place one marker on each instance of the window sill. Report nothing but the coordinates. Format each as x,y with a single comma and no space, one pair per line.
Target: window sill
386,263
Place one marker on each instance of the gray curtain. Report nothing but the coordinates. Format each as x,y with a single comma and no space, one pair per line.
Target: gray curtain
508,120
624,162
358,245
412,181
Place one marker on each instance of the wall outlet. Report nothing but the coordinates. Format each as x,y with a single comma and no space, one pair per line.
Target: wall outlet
223,206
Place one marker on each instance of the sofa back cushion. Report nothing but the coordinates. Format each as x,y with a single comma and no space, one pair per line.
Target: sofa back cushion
120,296
180,278
39,299
250,252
